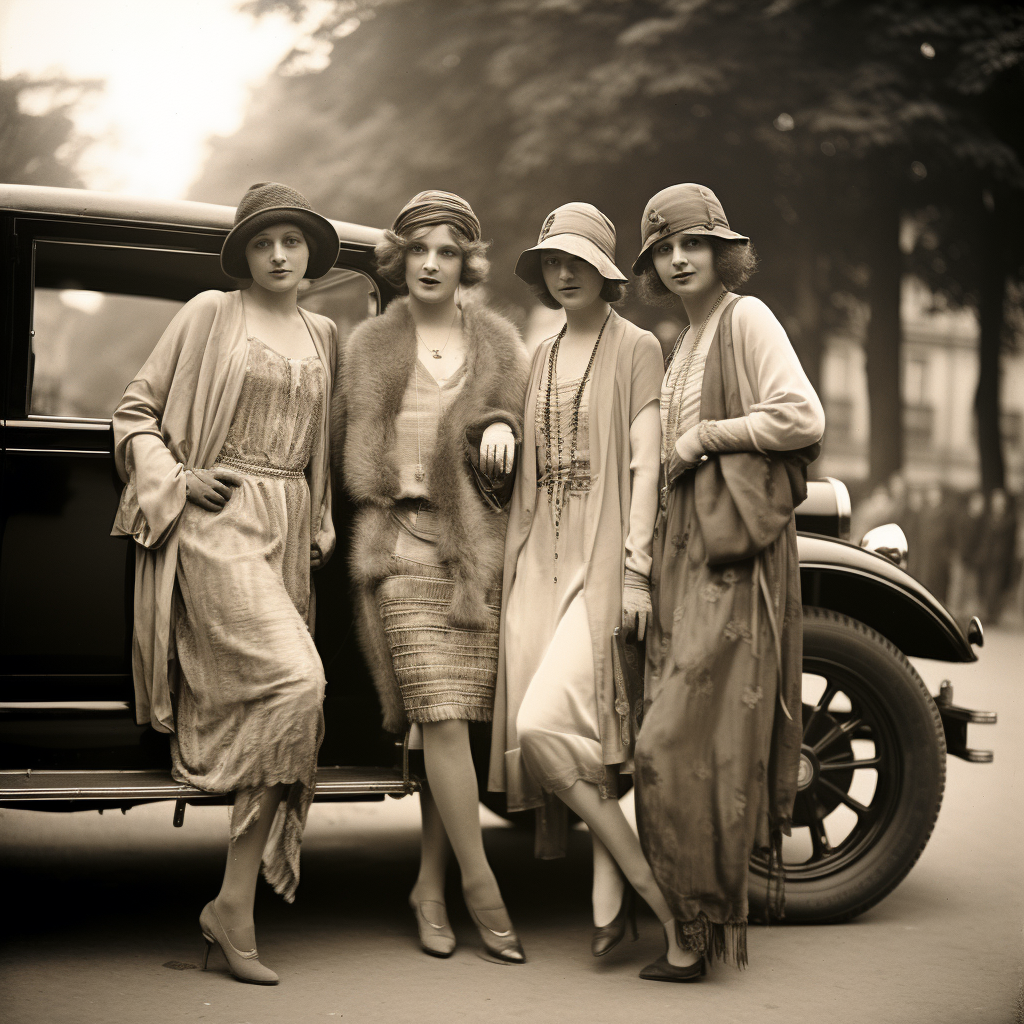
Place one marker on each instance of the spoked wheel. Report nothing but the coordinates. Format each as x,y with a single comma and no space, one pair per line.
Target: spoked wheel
872,772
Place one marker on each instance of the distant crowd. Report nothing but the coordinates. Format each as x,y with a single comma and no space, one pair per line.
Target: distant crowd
966,548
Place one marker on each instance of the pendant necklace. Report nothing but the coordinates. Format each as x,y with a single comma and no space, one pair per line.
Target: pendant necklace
437,352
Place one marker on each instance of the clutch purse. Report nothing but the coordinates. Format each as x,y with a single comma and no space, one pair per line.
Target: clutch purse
627,671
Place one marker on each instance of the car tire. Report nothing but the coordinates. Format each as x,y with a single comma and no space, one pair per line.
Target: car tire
887,703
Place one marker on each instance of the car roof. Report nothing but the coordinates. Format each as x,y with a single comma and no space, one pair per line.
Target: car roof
80,202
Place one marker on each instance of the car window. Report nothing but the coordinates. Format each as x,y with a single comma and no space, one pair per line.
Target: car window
89,345
98,311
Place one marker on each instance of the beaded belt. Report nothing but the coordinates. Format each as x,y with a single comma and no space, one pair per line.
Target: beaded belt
255,469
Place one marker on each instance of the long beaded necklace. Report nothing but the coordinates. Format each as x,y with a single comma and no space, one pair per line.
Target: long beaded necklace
553,417
675,403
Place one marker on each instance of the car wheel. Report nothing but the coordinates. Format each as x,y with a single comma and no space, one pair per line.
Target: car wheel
872,772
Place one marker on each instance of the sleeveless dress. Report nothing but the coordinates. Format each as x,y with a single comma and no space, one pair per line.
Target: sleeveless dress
249,704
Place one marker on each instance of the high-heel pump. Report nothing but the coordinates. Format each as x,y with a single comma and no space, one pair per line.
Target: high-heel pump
662,970
243,964
503,946
607,936
435,939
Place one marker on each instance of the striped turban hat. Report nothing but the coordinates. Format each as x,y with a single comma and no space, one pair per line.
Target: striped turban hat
435,207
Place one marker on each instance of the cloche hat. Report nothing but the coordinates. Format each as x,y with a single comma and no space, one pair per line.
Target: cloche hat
692,208
579,229
270,202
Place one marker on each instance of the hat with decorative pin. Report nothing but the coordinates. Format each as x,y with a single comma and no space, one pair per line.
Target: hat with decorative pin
267,203
580,230
694,209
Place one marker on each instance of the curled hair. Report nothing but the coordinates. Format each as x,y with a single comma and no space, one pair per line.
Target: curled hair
734,262
390,253
611,291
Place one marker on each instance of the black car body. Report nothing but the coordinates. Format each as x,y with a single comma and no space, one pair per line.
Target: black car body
90,280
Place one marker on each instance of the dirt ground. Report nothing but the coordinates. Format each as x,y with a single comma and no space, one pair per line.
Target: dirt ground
98,911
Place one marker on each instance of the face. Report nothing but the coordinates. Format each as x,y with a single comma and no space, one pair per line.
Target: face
572,281
278,257
686,265
433,264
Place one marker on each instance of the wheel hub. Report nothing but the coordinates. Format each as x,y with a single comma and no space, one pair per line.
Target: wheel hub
808,769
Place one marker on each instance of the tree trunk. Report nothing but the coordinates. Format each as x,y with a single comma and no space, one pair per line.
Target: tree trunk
991,299
885,393
807,339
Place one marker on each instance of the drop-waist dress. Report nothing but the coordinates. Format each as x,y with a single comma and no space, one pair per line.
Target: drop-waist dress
248,709
548,656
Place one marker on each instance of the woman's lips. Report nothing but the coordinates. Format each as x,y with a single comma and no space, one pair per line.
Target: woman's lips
429,280
684,275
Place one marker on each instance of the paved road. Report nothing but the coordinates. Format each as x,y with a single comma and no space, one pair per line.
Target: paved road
96,907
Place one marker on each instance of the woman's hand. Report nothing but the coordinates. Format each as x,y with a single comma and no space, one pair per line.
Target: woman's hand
497,450
316,557
688,447
210,488
636,609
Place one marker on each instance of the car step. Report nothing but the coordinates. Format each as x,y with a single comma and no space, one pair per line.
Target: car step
115,786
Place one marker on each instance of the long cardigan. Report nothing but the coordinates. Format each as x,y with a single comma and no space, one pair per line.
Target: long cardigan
379,359
178,410
623,350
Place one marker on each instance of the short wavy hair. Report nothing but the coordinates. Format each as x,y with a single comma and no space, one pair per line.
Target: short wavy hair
734,263
390,253
611,291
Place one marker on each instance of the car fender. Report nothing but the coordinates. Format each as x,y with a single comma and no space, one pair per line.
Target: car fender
840,576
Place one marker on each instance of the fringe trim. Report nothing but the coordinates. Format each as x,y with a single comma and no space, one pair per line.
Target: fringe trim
775,905
726,942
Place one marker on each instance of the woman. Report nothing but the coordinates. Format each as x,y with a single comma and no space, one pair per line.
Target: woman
429,401
222,442
717,758
577,561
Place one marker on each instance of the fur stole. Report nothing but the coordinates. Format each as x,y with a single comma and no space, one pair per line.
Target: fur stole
373,375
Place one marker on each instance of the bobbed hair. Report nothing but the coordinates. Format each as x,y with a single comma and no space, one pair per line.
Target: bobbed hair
390,253
734,263
611,291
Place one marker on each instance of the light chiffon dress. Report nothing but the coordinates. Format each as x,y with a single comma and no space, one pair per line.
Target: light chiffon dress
249,702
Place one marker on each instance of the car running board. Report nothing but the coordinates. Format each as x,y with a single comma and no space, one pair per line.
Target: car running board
114,788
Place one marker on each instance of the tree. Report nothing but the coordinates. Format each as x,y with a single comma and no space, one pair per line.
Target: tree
810,121
42,147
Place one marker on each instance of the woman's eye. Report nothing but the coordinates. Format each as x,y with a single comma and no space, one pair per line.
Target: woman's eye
450,253
416,248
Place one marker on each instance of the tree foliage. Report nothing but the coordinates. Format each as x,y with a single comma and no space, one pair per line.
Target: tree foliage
38,141
824,127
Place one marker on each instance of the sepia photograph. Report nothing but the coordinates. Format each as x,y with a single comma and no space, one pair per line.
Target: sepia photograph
512,483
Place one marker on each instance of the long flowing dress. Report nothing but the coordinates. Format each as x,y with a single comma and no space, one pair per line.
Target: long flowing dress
249,700
564,592
716,760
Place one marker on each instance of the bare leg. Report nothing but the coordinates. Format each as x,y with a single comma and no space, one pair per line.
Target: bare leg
606,820
608,885
237,894
453,785
434,851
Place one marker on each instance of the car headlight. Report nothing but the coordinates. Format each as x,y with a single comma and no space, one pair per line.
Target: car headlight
889,541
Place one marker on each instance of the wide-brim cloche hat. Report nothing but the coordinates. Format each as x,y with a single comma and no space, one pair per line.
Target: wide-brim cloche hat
690,208
270,202
579,229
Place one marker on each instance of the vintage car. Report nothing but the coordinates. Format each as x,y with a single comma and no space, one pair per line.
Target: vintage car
90,281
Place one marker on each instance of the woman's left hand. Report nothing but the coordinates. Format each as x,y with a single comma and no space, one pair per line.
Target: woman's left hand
688,447
636,610
497,450
316,557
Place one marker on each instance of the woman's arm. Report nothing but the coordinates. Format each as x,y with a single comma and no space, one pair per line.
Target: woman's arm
784,414
156,488
644,462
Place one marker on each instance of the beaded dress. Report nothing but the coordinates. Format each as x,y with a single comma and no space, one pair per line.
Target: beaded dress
249,704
